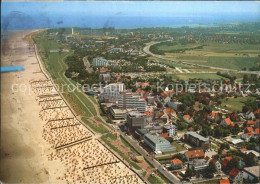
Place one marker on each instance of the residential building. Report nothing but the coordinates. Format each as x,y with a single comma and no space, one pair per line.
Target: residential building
170,129
150,100
174,105
103,70
158,144
194,154
111,92
250,123
176,163
224,181
105,77
249,135
139,133
188,118
217,163
129,100
225,162
100,62
118,113
236,176
249,115
142,84
154,129
255,154
197,140
170,112
116,50
135,120
199,166
212,116
227,122
251,173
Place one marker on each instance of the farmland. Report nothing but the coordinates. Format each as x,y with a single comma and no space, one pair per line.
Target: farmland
231,56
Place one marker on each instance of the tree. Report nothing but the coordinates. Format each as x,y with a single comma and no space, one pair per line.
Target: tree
245,79
182,126
204,132
218,132
159,105
179,156
250,160
233,163
224,146
188,173
207,108
210,170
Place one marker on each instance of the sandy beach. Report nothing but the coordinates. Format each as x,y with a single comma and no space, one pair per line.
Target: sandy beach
23,150
41,139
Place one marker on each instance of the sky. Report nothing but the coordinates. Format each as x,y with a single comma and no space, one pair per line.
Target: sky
74,11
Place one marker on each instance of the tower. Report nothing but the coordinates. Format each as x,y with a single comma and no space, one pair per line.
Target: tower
72,31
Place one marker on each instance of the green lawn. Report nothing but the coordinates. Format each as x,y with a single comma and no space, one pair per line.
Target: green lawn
232,56
234,104
56,67
99,129
177,46
158,179
107,139
198,76
169,63
178,146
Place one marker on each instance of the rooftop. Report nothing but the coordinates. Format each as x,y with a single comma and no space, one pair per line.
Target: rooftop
156,139
136,114
176,161
194,134
195,153
254,170
224,181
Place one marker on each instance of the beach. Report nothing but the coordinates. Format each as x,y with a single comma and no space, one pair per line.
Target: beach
23,150
41,139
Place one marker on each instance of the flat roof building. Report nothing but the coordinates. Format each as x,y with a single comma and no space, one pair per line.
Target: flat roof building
118,113
158,144
100,62
196,139
129,100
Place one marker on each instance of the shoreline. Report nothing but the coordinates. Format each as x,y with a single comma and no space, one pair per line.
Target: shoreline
23,150
32,153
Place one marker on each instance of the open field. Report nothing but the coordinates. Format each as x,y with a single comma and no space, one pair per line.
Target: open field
197,76
234,104
232,56
178,146
110,137
158,179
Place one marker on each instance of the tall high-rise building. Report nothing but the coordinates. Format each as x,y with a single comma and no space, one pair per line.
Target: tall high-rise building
72,31
128,100
100,62
111,91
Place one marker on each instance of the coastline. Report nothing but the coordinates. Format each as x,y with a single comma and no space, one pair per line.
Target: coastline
23,150
32,151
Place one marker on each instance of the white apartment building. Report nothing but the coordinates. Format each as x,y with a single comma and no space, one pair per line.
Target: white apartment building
111,91
128,100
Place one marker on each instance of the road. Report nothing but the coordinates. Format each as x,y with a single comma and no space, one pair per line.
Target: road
147,51
154,162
